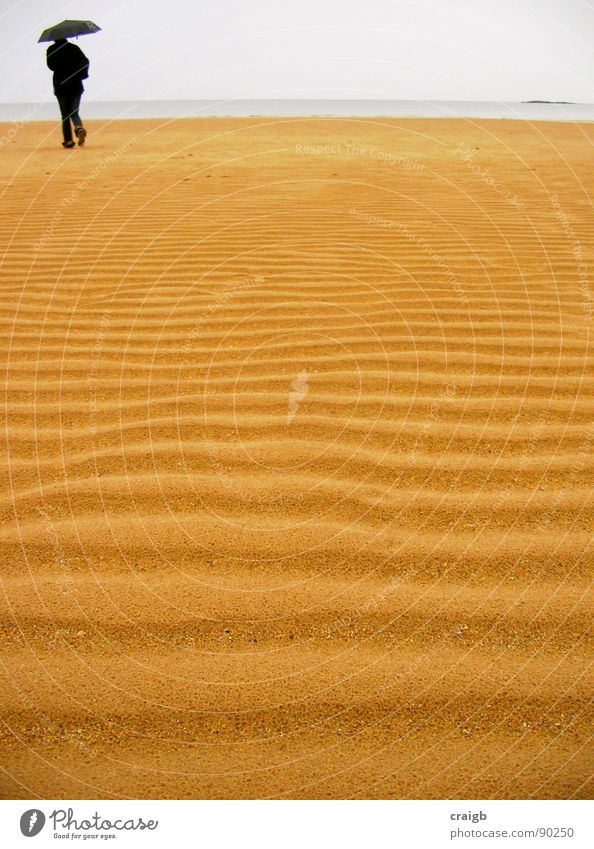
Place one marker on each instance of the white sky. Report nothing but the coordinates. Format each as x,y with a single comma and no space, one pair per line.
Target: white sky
361,49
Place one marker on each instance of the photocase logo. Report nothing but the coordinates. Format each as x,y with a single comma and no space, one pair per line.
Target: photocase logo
32,822
299,389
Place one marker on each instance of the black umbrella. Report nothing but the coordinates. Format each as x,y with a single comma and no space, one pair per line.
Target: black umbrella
68,29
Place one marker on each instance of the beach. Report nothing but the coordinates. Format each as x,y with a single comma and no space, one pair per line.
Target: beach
297,494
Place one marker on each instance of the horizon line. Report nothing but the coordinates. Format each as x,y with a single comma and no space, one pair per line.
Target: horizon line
312,100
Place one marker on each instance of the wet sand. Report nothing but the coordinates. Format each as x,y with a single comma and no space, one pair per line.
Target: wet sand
297,493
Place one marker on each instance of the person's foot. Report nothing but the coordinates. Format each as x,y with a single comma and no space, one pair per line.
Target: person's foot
81,135
68,144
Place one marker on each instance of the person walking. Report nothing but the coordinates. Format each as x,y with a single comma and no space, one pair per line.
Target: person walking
70,67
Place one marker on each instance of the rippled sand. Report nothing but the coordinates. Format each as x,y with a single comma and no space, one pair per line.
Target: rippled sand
297,492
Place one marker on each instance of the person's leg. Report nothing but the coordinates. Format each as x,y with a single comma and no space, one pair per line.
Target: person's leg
80,131
75,106
64,105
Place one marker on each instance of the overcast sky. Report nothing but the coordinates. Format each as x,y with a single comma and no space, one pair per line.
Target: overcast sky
204,49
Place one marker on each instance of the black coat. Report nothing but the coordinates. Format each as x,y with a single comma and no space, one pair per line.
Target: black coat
70,67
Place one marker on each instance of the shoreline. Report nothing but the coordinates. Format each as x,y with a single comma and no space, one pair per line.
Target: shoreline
166,121
414,110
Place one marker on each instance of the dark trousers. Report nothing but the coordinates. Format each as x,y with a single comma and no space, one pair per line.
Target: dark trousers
69,105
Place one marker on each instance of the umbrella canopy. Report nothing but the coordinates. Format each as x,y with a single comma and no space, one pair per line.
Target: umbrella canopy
68,29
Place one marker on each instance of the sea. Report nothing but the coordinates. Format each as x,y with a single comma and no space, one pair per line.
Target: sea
536,111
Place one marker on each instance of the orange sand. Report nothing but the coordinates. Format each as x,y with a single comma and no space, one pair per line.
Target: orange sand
297,474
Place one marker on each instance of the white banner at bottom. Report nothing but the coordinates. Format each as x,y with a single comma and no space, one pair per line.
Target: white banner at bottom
297,824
